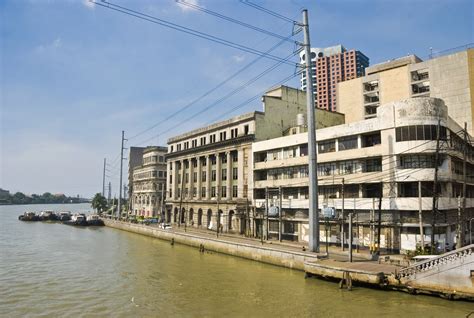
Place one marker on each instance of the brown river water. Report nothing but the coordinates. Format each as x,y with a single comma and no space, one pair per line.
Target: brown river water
54,270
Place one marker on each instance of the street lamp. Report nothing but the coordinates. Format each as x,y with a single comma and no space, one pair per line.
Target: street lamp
470,230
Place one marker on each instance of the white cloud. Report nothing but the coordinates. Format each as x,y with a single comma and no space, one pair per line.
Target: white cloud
89,4
186,8
55,44
238,58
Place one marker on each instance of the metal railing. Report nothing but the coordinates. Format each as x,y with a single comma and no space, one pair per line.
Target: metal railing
437,261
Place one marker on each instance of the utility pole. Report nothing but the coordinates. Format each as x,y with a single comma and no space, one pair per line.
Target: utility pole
460,241
420,217
103,178
119,205
280,211
265,217
372,228
435,190
313,215
342,216
247,221
350,237
181,194
218,214
109,195
380,219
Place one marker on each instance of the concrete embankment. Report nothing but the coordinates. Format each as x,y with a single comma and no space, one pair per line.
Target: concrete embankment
264,254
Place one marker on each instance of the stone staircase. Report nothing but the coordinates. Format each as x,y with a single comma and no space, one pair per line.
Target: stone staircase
450,274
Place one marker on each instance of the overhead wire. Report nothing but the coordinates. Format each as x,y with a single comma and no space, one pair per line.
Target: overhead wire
268,11
177,27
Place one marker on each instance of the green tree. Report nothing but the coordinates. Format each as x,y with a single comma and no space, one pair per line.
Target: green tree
99,203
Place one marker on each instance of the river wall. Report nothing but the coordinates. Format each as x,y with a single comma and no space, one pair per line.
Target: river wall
264,254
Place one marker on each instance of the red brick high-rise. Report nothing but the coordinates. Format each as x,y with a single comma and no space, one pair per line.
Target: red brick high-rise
330,66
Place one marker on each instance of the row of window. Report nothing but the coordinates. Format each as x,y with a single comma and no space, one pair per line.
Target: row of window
212,139
235,176
153,159
149,174
213,160
419,132
213,190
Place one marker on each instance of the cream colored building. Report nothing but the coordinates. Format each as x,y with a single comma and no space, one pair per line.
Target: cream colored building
208,168
149,183
389,156
449,77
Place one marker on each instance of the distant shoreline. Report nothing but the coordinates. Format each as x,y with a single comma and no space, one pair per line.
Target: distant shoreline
44,203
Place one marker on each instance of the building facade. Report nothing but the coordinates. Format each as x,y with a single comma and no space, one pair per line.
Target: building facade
330,66
135,159
149,183
449,77
208,168
384,164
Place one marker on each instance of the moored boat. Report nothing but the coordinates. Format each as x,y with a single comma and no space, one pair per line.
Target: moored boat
48,216
64,216
77,219
28,216
94,219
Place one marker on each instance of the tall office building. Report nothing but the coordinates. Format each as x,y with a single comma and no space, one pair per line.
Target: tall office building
330,66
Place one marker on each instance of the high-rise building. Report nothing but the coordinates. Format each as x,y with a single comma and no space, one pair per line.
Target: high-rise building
330,66
449,77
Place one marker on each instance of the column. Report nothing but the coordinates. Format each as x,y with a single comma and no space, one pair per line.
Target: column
241,177
218,176
208,177
175,180
199,175
191,181
229,175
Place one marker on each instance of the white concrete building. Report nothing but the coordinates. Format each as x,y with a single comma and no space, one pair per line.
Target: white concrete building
149,183
388,158
214,161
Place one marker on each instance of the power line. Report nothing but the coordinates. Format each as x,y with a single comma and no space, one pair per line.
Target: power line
251,81
270,12
190,31
249,26
207,93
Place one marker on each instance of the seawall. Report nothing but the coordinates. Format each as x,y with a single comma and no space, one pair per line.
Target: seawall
260,253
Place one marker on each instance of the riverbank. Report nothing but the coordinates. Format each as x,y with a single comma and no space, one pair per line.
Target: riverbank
364,271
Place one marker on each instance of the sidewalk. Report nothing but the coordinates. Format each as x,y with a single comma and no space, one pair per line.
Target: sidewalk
335,253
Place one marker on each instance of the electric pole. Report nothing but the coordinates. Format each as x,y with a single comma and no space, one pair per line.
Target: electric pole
181,194
119,205
420,217
379,226
342,216
103,178
435,191
313,215
460,241
109,195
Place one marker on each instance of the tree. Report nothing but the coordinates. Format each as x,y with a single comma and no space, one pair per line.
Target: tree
99,203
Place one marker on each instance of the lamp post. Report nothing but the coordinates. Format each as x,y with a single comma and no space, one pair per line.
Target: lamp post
470,230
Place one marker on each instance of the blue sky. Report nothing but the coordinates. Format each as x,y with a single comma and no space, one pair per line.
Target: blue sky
73,75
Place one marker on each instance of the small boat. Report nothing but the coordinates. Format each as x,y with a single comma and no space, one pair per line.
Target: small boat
64,216
48,216
94,220
28,216
77,219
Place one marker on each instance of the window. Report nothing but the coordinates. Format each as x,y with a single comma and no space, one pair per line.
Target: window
326,146
203,191
213,160
224,159
304,150
246,129
372,139
213,175
419,132
416,161
213,192
372,165
373,190
235,158
347,143
195,176
234,191
223,192
347,167
194,191
212,138
326,169
235,173
224,174
203,176
290,227
203,141
222,135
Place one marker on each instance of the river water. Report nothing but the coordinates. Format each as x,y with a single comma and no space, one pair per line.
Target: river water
53,270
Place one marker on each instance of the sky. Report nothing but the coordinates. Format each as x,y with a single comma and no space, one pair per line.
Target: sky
73,74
